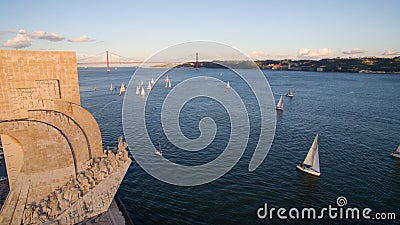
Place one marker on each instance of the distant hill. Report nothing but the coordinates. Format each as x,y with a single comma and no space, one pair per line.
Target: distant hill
353,65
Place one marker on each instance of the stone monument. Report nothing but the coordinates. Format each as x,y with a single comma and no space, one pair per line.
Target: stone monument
58,172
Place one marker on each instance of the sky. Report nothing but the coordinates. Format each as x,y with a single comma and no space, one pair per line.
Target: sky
260,28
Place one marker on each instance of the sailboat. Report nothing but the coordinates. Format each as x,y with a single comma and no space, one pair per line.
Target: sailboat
111,88
149,86
290,94
279,106
138,90
158,151
152,81
396,153
311,162
167,82
142,93
166,79
122,90
228,86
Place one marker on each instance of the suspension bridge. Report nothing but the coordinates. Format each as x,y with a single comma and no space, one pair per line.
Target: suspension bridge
109,59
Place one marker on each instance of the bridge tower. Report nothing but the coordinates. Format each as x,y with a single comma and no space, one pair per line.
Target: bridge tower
108,63
197,61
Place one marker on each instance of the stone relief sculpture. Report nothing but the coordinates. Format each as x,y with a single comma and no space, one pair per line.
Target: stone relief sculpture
64,197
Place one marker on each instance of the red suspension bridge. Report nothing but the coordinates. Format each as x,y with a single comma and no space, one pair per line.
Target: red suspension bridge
110,59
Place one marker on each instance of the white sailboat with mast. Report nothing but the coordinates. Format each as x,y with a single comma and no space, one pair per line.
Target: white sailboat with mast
167,81
279,106
228,86
111,88
143,93
138,90
158,151
396,153
122,90
169,84
311,162
152,81
149,86
290,94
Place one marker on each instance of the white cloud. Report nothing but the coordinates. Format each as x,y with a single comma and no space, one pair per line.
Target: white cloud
46,36
313,53
81,56
21,31
261,55
258,55
83,38
24,39
389,52
354,51
19,41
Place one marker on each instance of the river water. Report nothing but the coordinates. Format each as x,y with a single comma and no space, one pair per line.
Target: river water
357,117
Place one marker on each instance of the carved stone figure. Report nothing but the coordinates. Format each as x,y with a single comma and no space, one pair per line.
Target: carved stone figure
83,183
67,193
44,211
75,194
120,143
90,176
103,168
35,216
27,215
121,157
53,205
62,203
110,167
90,163
96,173
112,159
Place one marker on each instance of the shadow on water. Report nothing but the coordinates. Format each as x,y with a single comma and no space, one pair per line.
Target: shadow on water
279,115
308,182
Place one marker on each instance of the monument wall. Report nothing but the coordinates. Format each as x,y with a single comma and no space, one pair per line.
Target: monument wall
48,138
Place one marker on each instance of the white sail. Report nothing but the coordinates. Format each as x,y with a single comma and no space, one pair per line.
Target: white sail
152,81
138,90
122,90
312,157
149,86
143,93
166,79
169,84
280,103
228,85
111,87
315,164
